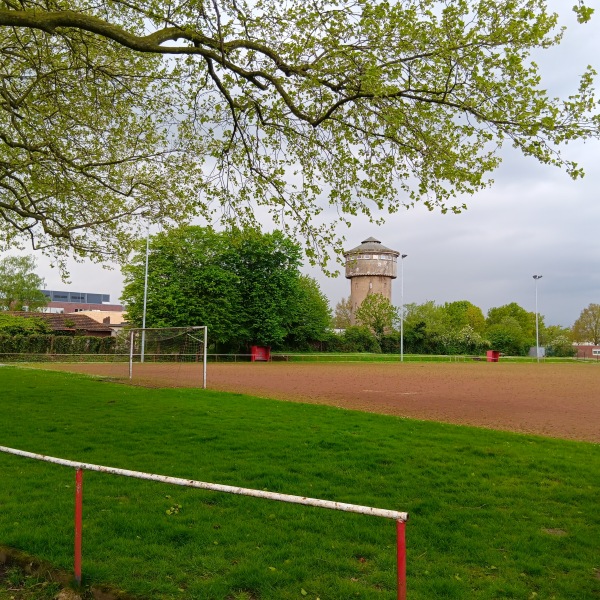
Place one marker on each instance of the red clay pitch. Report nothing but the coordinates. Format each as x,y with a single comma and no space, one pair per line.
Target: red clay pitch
557,400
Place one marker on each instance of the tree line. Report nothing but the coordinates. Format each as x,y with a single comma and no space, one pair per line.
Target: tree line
460,327
248,289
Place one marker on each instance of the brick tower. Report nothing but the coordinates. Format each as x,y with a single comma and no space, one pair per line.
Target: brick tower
370,268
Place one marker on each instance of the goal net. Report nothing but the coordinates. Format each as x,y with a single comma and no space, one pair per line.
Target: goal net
168,355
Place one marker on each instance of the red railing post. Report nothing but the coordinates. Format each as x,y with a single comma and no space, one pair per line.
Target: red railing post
78,522
401,542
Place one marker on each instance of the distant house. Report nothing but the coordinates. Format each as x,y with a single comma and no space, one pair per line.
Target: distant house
588,351
108,317
113,319
68,323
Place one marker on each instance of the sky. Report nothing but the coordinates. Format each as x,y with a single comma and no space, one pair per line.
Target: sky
533,220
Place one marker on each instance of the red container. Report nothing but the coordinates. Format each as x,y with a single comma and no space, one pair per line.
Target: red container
493,355
260,353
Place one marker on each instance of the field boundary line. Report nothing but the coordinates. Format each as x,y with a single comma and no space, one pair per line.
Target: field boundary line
399,517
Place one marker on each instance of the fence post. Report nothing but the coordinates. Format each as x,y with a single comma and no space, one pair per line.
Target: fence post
401,543
78,522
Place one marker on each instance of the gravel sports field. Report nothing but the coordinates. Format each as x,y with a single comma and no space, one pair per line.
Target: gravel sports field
551,399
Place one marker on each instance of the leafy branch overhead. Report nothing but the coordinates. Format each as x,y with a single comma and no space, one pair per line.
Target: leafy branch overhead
171,110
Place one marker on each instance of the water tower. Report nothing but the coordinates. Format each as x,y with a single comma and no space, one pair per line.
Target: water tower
370,268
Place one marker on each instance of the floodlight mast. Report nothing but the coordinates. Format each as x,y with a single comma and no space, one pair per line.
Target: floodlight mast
537,329
402,257
145,295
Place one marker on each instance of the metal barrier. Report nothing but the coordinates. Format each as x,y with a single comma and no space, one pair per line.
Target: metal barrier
399,517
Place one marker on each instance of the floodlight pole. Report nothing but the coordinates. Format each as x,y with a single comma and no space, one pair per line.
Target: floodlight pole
537,329
402,257
145,295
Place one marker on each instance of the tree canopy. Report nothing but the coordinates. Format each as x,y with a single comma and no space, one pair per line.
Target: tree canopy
524,319
463,313
587,326
246,287
377,313
112,110
342,316
20,286
508,336
460,328
311,320
12,325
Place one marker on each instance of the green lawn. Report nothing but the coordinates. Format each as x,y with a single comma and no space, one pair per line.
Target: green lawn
493,515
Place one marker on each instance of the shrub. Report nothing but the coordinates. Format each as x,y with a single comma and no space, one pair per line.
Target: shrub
55,344
11,325
359,339
390,343
560,346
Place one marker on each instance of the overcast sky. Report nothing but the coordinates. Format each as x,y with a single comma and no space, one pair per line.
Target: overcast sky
534,220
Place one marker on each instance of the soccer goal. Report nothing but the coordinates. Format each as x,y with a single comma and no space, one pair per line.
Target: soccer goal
164,353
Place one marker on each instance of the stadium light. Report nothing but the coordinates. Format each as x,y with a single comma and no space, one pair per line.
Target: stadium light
145,295
537,329
402,257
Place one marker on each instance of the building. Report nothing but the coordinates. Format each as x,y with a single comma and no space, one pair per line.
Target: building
587,351
72,302
113,319
371,267
108,317
68,323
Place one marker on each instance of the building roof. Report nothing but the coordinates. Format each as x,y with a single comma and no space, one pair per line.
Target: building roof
372,244
65,321
107,317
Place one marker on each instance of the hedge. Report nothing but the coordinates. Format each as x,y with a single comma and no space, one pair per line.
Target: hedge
56,344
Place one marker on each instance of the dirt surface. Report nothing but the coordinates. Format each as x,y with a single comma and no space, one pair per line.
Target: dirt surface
25,577
557,400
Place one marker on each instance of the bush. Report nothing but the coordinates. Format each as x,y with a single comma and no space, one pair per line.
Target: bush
390,343
359,339
508,338
55,344
11,325
465,341
560,346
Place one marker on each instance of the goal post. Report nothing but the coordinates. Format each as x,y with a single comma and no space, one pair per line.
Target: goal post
174,346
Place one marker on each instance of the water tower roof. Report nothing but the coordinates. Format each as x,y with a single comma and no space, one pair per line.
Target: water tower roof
371,244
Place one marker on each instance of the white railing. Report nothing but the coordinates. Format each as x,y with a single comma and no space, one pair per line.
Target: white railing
399,517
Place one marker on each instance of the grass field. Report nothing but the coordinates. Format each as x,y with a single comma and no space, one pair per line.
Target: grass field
493,515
